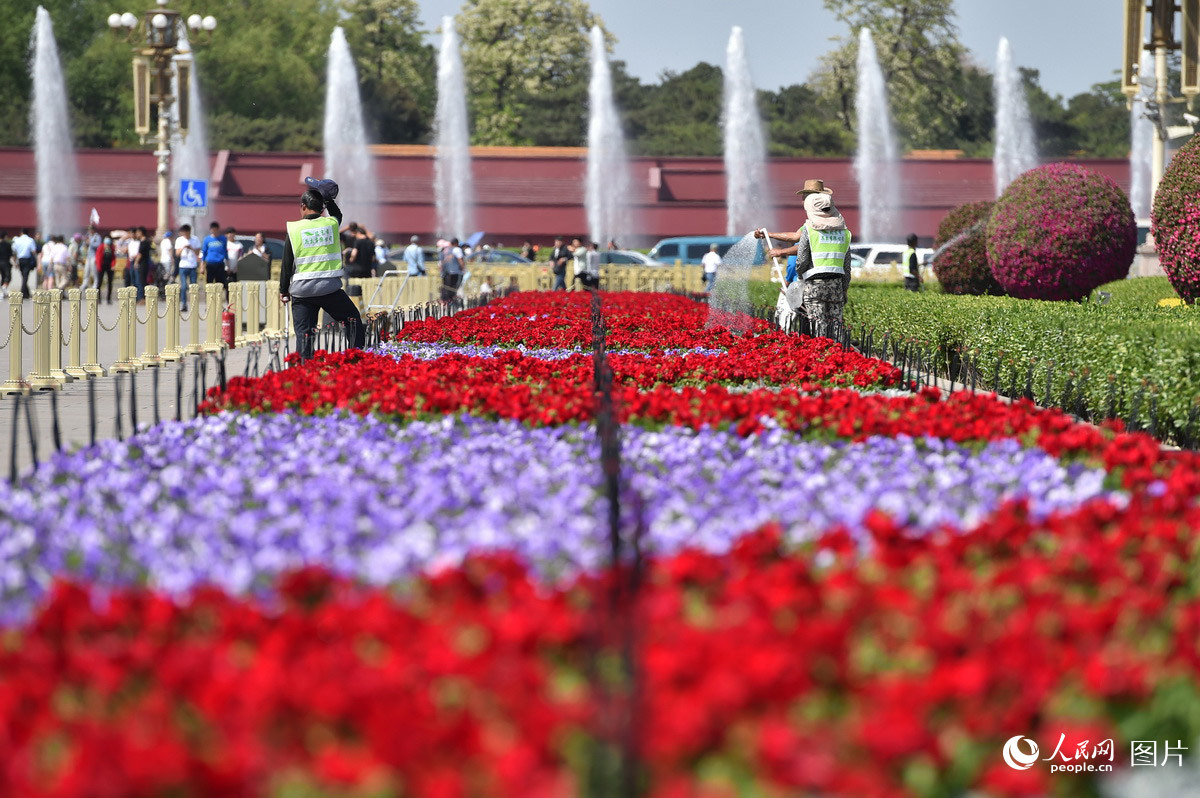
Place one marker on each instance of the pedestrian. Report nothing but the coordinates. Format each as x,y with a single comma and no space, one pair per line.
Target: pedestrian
167,265
25,251
108,258
213,252
451,264
187,253
711,262
76,250
261,249
587,266
146,263
133,263
820,279
527,251
486,289
912,267
233,254
310,274
91,261
381,256
6,262
414,257
46,262
558,263
361,262
60,263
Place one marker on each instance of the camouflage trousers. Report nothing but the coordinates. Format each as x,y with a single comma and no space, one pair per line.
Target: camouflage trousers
824,301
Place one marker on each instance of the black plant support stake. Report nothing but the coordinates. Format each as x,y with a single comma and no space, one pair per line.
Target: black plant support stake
179,391
55,433
16,437
133,423
1081,410
117,405
1065,404
1049,375
1153,420
1029,382
31,428
1110,405
91,412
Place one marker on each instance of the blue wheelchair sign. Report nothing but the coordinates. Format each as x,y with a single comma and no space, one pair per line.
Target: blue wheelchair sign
193,194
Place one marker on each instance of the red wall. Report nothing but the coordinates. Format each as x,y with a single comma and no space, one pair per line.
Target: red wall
519,193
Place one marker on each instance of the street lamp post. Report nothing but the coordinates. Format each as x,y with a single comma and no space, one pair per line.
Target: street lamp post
155,66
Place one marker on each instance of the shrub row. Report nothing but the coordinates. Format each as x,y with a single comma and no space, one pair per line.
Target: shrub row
1130,342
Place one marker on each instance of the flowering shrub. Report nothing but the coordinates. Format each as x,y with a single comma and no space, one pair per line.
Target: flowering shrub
961,264
1058,232
1175,221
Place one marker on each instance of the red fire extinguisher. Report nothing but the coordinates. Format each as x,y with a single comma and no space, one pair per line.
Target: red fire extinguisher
227,331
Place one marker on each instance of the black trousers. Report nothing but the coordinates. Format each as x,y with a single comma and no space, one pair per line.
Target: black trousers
337,306
26,265
106,273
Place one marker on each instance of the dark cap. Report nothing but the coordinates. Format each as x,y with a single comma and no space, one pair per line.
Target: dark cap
327,187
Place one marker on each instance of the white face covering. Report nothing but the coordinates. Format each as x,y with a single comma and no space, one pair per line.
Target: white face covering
821,213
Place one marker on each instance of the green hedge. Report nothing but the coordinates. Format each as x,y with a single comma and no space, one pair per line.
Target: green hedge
1128,339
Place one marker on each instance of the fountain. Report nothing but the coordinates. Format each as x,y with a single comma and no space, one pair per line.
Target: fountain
875,160
189,154
1141,131
746,189
347,158
53,150
1016,152
608,184
452,168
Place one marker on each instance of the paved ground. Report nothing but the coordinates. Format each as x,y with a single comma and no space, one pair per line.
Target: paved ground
77,399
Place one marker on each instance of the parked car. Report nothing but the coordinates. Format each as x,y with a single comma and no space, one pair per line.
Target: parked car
883,262
692,249
274,246
498,257
627,257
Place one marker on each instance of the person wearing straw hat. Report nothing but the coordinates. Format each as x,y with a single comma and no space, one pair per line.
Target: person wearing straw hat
819,281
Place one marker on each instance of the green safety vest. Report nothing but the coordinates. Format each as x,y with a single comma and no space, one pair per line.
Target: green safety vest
908,254
829,250
316,247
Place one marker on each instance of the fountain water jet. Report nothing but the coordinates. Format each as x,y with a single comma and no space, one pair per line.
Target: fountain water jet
1016,151
746,189
608,184
347,158
1141,133
189,154
452,167
875,160
53,150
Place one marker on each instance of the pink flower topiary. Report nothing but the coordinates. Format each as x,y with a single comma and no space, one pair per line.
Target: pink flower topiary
960,262
1175,221
1060,231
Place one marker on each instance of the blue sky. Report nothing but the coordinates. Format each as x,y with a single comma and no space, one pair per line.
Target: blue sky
1074,43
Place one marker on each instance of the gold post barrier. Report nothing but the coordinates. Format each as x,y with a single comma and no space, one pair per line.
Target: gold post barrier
213,293
16,378
55,333
39,378
131,326
150,356
195,342
253,332
91,301
236,293
124,361
75,346
172,352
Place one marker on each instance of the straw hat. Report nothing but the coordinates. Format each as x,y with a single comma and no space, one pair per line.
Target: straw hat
814,187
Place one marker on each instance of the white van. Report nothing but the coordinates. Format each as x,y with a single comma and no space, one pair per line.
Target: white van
883,262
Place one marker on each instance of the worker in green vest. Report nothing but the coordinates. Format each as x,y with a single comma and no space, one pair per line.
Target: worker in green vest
911,265
311,273
818,283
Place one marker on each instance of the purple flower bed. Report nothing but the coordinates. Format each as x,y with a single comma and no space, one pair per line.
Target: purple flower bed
234,499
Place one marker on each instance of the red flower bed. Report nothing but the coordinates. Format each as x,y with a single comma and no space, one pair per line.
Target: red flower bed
820,670
563,319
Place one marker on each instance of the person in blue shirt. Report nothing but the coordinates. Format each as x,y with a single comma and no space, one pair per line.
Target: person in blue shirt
414,257
213,251
25,250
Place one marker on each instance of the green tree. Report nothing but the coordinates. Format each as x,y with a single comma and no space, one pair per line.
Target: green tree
516,53
681,115
396,68
799,124
922,62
